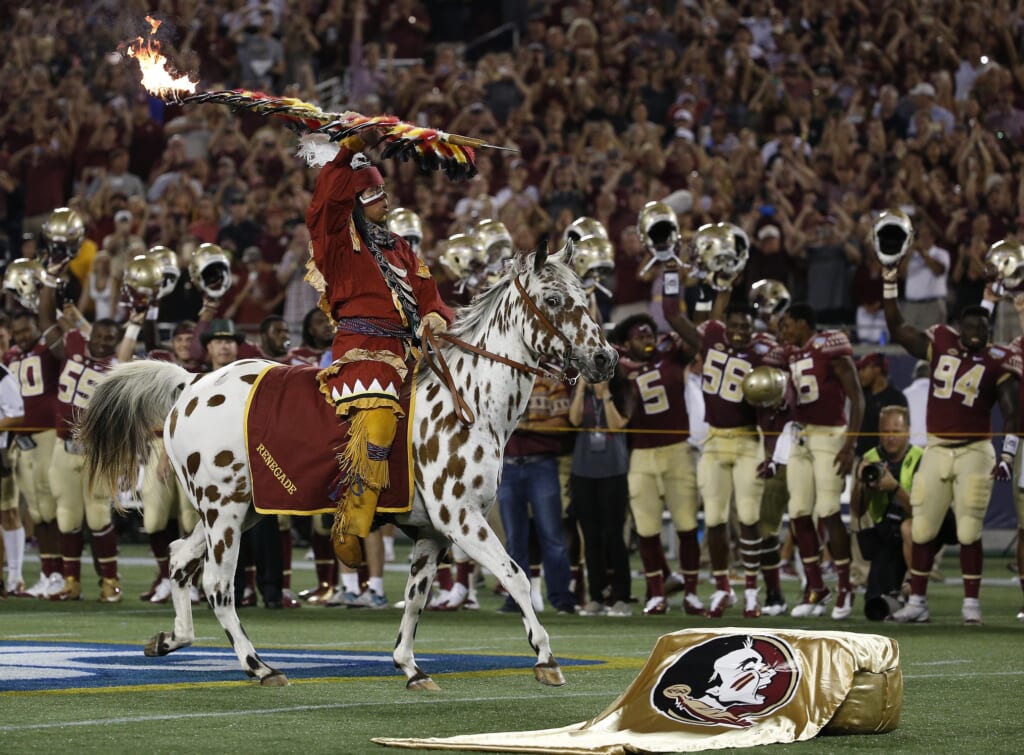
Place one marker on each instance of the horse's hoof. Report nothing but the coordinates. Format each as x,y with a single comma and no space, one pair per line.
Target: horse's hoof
422,684
549,673
274,679
160,644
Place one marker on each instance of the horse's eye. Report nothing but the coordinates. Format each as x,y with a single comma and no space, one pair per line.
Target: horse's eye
553,302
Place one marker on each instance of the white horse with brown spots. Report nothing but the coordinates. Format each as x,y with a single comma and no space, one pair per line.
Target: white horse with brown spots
537,311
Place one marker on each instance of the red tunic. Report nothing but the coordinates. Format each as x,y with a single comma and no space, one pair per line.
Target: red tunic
964,384
820,398
78,378
37,373
724,370
660,386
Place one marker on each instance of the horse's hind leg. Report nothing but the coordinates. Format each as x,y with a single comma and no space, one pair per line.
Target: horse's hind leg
186,556
425,554
474,535
223,544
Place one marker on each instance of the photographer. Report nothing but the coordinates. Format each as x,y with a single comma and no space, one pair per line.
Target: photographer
881,492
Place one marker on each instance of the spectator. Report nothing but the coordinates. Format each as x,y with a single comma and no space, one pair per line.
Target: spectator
916,395
873,372
925,268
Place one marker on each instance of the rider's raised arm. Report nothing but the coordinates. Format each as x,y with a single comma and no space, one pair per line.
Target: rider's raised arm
915,341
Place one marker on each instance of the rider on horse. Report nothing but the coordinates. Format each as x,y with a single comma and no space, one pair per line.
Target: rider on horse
380,295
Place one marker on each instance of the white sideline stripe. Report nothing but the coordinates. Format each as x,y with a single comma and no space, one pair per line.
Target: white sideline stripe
942,663
251,712
963,676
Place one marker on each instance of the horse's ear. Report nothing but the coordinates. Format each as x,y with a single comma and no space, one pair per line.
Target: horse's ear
539,258
568,251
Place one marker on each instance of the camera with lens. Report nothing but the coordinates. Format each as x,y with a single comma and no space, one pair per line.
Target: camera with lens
872,473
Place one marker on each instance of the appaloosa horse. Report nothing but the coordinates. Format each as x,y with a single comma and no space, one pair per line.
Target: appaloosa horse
537,311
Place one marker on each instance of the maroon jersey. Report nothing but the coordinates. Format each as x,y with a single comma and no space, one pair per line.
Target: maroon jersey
37,373
963,387
820,399
660,386
303,355
78,378
724,370
163,355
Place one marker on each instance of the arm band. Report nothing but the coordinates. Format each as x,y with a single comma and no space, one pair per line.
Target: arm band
131,331
990,306
153,313
890,290
1010,443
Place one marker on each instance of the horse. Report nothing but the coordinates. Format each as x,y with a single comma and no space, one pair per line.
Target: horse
537,312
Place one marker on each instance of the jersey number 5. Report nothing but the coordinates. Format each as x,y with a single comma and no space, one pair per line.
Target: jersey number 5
652,393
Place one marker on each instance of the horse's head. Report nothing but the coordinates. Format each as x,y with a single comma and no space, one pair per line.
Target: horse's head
559,325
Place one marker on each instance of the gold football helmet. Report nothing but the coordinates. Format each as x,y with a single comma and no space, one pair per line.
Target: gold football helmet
594,257
407,224
143,278
496,241
167,259
210,270
764,386
892,235
719,254
582,227
659,229
1004,262
461,255
63,234
22,280
770,298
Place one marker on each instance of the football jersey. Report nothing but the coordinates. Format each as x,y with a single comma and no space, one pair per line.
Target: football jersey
723,373
964,384
820,398
303,355
660,387
78,379
164,355
37,373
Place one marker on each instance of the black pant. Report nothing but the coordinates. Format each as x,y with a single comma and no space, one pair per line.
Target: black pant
261,546
882,545
600,506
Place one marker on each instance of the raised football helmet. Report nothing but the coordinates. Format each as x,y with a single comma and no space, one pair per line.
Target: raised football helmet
140,287
461,255
167,259
770,298
1004,262
594,257
22,280
407,224
63,233
764,386
582,227
496,241
719,254
210,270
892,235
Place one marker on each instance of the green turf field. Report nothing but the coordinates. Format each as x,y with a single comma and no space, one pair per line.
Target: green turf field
962,685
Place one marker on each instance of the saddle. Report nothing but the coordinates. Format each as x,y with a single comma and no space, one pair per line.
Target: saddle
293,439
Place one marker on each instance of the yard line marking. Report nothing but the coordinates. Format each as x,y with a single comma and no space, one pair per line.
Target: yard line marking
941,663
36,636
963,676
250,712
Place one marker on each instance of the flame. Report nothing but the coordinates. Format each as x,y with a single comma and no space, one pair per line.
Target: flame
156,78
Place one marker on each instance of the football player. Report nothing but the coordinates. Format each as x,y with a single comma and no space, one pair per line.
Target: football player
824,376
969,376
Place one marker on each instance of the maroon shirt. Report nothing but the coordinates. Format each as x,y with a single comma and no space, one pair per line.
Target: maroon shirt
820,398
37,373
724,370
660,386
78,378
964,384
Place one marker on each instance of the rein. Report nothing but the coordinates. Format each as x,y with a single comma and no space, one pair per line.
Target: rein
439,365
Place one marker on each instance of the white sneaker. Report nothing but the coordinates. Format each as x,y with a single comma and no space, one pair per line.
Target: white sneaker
720,600
774,604
692,604
914,612
844,605
55,585
162,593
813,604
619,608
592,608
438,601
38,590
971,612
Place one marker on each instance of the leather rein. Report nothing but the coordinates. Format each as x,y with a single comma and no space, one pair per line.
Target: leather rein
439,365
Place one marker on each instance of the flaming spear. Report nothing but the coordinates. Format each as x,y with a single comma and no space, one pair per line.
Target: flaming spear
430,148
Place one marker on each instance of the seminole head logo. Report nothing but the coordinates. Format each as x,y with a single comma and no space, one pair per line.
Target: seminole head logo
728,681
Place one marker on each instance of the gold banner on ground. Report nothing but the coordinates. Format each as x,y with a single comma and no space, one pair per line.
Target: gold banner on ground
709,690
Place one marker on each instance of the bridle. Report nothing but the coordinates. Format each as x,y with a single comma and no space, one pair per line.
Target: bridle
436,362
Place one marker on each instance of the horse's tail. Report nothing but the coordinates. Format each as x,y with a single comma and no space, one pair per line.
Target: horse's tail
126,407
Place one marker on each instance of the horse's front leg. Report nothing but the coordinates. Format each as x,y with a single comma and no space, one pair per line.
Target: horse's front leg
425,554
470,531
186,556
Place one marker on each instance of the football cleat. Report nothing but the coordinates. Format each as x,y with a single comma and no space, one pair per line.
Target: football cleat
56,585
592,608
720,600
844,605
751,606
971,612
439,601
248,598
72,590
152,589
674,583
38,590
619,608
914,612
161,592
1020,615
692,605
319,595
774,604
110,590
288,599
656,606
813,604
